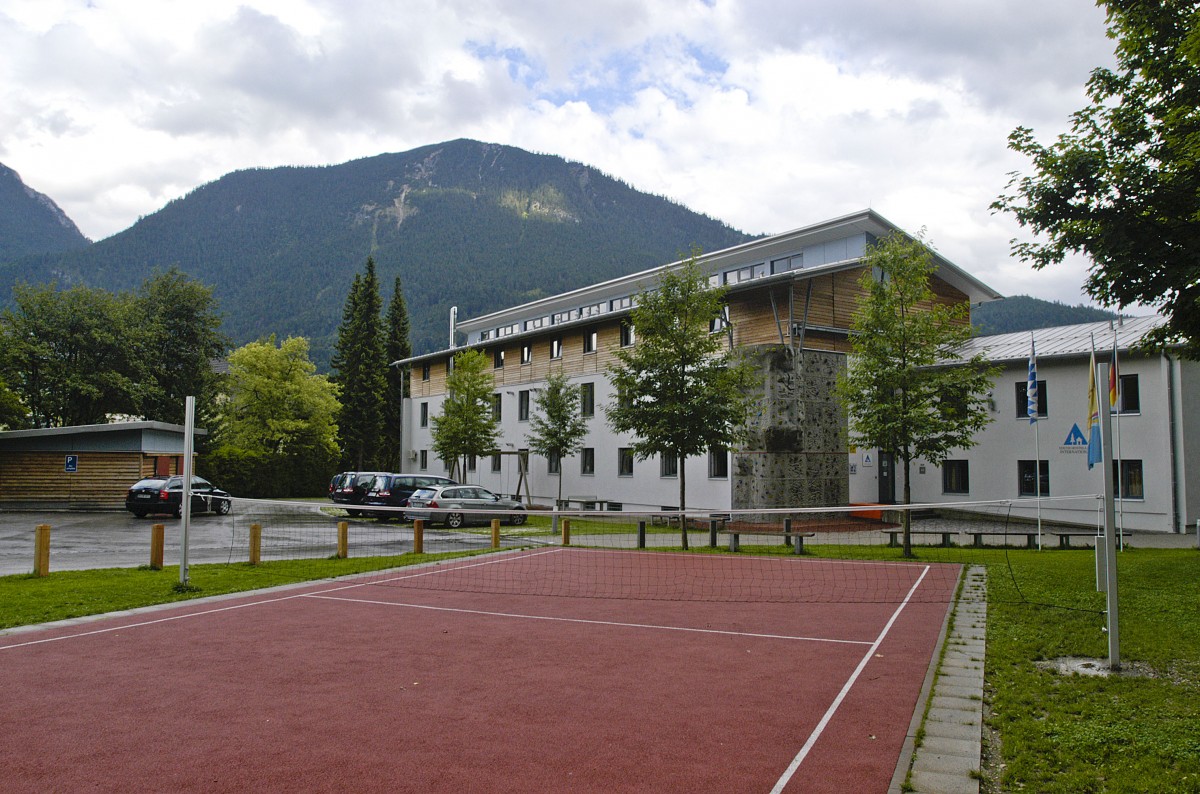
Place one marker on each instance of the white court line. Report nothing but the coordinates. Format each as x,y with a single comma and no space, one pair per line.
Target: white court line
521,616
837,702
444,568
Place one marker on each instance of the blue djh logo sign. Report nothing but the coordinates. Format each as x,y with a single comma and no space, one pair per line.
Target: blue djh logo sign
1075,438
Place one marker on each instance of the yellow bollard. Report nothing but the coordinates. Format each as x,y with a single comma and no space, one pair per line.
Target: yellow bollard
343,540
419,536
41,550
566,532
255,544
157,543
495,533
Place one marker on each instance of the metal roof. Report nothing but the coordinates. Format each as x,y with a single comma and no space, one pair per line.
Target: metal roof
1064,341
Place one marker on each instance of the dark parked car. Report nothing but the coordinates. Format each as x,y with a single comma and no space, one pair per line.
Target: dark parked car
441,505
350,488
393,490
162,494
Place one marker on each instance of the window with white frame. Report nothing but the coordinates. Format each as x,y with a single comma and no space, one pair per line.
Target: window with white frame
1043,400
523,405
718,463
1027,485
956,476
587,460
587,399
1127,478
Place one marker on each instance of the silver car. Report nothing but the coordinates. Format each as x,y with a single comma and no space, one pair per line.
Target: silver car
442,505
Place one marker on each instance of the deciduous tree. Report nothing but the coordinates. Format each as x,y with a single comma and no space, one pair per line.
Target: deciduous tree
466,425
679,390
1123,186
898,389
558,424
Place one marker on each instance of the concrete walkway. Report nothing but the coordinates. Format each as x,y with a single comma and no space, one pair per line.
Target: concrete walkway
948,760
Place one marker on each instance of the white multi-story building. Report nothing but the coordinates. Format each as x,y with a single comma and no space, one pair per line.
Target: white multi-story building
790,301
1156,433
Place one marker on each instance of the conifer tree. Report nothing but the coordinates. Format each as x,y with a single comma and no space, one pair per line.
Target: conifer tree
360,364
398,348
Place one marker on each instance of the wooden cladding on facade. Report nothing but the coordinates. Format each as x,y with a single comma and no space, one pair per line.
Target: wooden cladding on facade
99,483
770,314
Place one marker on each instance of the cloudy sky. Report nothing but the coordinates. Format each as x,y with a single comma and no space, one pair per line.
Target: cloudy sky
766,114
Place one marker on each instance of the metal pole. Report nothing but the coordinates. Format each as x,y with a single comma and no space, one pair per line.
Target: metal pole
1110,539
1037,478
185,505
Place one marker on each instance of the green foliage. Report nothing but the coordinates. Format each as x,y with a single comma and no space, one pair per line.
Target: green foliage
398,347
77,356
463,223
278,415
466,425
361,367
74,356
182,331
1123,186
895,390
558,424
1023,313
680,392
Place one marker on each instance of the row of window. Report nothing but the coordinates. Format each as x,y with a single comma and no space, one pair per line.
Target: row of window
1127,478
735,276
718,463
587,404
1129,400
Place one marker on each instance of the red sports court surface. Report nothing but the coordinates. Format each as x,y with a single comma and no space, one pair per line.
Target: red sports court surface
373,685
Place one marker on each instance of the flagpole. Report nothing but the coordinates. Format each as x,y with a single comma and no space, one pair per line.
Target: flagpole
1037,475
1114,394
1031,411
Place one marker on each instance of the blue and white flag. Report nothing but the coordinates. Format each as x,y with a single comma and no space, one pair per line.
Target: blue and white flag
1031,390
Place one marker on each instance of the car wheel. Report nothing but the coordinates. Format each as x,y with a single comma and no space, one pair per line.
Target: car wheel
517,519
354,513
222,507
178,512
139,513
454,520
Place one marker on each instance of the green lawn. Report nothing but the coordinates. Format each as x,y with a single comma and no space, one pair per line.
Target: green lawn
1047,732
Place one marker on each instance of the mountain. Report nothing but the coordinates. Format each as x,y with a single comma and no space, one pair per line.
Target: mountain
31,223
463,223
1023,313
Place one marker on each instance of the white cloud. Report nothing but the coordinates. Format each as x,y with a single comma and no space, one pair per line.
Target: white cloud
765,114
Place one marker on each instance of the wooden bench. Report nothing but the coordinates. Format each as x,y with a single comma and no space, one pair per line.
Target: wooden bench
894,535
977,536
1065,535
798,536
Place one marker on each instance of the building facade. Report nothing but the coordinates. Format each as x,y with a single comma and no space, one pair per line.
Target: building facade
790,302
1156,433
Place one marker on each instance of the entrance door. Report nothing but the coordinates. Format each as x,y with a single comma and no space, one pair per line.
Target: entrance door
887,478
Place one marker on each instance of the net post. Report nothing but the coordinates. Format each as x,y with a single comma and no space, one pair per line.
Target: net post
41,550
495,533
712,533
641,539
787,527
419,536
343,540
566,532
157,542
255,544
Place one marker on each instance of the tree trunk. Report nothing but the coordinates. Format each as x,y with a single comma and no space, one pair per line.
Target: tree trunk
682,503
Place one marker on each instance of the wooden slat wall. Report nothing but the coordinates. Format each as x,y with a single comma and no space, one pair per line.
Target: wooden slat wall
38,478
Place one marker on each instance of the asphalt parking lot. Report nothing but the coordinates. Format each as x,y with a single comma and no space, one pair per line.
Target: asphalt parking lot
110,539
